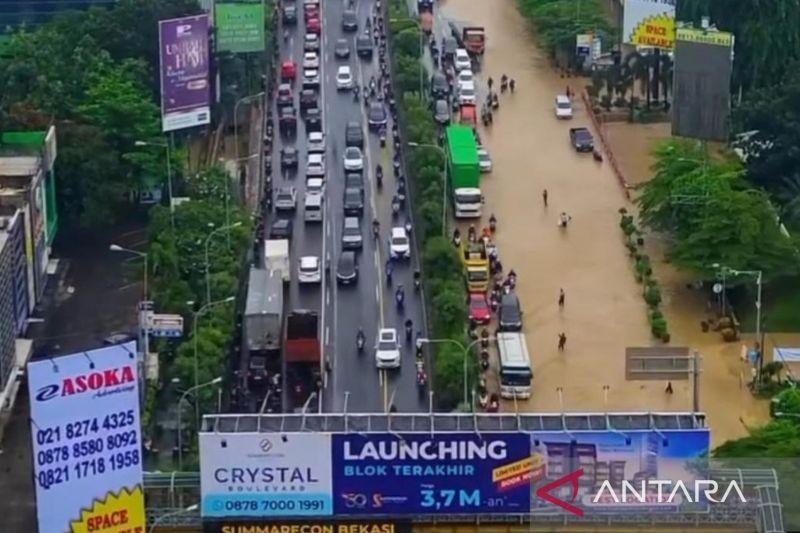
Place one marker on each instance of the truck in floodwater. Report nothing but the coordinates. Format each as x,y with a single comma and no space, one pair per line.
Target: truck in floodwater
303,355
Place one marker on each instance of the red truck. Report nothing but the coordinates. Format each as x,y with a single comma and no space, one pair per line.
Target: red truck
425,10
302,352
474,38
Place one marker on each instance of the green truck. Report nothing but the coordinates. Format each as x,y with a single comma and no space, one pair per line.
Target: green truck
465,173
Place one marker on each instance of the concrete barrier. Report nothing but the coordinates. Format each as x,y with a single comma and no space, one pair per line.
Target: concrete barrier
609,154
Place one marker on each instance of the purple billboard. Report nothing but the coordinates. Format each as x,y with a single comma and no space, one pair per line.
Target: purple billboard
185,94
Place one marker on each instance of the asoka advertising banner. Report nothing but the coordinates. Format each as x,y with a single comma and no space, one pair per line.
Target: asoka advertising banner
602,471
306,526
649,23
87,441
240,27
256,475
451,473
185,90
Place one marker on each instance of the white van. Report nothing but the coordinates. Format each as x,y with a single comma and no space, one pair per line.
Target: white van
312,207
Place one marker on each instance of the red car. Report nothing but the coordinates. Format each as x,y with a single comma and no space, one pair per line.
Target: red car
479,309
313,26
311,12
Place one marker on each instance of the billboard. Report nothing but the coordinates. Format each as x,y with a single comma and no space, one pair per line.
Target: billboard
419,473
701,100
87,441
258,475
240,27
649,23
185,90
587,469
306,526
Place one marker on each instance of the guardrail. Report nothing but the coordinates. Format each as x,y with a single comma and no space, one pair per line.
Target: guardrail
609,153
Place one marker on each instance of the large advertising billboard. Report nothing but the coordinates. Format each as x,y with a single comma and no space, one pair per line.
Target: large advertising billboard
259,475
185,89
87,441
649,23
416,473
240,27
306,526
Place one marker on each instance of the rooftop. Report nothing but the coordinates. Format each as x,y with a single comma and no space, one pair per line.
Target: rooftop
20,165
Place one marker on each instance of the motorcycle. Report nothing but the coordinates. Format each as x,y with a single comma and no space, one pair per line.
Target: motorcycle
400,298
408,227
382,137
409,331
360,341
395,206
417,281
389,269
422,379
379,178
356,92
492,224
472,234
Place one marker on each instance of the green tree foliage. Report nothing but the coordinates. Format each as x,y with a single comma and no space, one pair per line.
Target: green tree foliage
407,42
787,402
556,22
767,36
711,214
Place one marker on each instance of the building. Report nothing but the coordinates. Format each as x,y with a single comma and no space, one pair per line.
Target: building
15,13
28,226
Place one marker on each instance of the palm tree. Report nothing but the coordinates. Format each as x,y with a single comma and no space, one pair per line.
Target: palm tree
667,71
639,67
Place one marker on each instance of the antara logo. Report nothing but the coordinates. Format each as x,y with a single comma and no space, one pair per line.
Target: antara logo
93,381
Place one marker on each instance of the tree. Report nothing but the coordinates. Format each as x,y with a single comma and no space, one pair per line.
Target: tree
407,43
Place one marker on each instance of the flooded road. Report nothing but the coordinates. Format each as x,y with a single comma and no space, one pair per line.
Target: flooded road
604,311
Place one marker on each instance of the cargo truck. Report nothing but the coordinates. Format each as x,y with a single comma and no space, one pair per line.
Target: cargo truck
465,172
476,264
262,325
276,258
425,10
303,355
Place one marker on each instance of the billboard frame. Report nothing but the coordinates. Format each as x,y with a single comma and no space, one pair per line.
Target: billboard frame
238,43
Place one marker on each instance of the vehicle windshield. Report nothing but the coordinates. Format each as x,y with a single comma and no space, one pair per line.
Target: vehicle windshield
352,153
563,105
308,268
352,230
467,91
477,275
400,241
516,377
386,346
469,198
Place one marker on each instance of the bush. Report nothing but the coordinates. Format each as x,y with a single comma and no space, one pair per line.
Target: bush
652,294
659,328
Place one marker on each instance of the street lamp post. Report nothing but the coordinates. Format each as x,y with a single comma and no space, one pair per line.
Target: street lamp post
157,521
180,408
464,350
146,329
196,316
208,240
444,180
169,177
236,119
421,49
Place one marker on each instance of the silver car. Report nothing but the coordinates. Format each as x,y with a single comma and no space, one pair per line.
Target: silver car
351,234
286,199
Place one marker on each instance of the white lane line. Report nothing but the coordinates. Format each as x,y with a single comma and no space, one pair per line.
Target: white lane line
327,297
327,336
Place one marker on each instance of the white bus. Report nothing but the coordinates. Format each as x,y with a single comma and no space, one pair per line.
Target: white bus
515,365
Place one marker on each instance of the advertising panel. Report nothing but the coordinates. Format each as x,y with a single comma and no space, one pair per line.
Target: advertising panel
451,473
586,471
306,526
19,281
649,23
185,90
255,475
87,440
695,35
30,258
240,27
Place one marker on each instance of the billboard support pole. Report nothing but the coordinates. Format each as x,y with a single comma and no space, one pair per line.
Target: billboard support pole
516,410
430,409
263,406
695,382
475,415
664,439
344,410
305,408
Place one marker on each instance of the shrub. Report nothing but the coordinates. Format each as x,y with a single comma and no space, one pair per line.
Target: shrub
659,328
652,294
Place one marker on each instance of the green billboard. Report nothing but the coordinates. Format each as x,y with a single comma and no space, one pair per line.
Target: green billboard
240,27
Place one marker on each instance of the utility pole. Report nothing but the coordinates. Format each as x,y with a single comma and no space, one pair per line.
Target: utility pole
695,382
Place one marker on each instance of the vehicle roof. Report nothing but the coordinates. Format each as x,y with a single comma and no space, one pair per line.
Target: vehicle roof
442,104
513,349
289,149
353,190
399,231
364,39
351,222
462,52
387,333
477,297
284,87
282,223
309,261
347,257
285,190
462,146
264,292
353,150
313,198
315,135
563,98
316,157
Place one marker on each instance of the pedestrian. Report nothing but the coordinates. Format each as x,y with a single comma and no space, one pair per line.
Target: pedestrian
668,390
569,92
512,85
490,82
562,341
561,297
544,197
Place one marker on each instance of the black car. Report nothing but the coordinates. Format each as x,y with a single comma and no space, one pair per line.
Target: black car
287,120
342,49
354,180
313,119
354,201
308,98
285,96
288,157
350,20
353,135
281,229
376,116
510,315
347,268
290,14
440,88
450,46
364,46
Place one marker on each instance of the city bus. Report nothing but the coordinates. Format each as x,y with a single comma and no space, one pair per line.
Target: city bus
516,373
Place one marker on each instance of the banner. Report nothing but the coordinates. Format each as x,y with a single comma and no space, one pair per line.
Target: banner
87,441
649,23
185,91
254,474
306,526
451,473
715,37
240,27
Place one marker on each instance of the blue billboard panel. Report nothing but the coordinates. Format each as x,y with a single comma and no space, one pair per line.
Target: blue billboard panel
451,473
604,471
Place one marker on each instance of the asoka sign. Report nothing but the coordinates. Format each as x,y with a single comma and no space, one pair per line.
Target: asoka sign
89,382
425,451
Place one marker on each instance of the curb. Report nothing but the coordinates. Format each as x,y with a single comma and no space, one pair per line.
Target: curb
626,187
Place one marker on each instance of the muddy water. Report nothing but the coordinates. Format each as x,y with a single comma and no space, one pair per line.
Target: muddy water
604,311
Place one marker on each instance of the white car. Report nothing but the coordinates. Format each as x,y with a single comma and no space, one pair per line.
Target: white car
387,350
484,160
563,106
462,60
353,159
311,77
344,78
310,60
315,165
467,94
399,245
316,142
315,186
465,76
309,270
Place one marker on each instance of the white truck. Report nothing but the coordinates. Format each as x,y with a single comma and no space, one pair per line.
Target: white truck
276,258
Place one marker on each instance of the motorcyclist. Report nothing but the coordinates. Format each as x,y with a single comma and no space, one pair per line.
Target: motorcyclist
408,227
457,237
389,269
409,325
503,83
472,233
512,85
379,173
376,227
395,204
360,339
400,295
417,279
328,265
492,223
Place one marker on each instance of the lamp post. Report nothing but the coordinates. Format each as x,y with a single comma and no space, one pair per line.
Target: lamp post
444,179
157,521
164,145
236,119
208,240
180,405
146,329
195,317
421,48
464,350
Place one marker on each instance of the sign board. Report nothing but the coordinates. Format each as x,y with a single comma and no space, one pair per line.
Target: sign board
416,473
185,89
649,23
695,35
306,526
240,27
260,475
87,441
165,325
